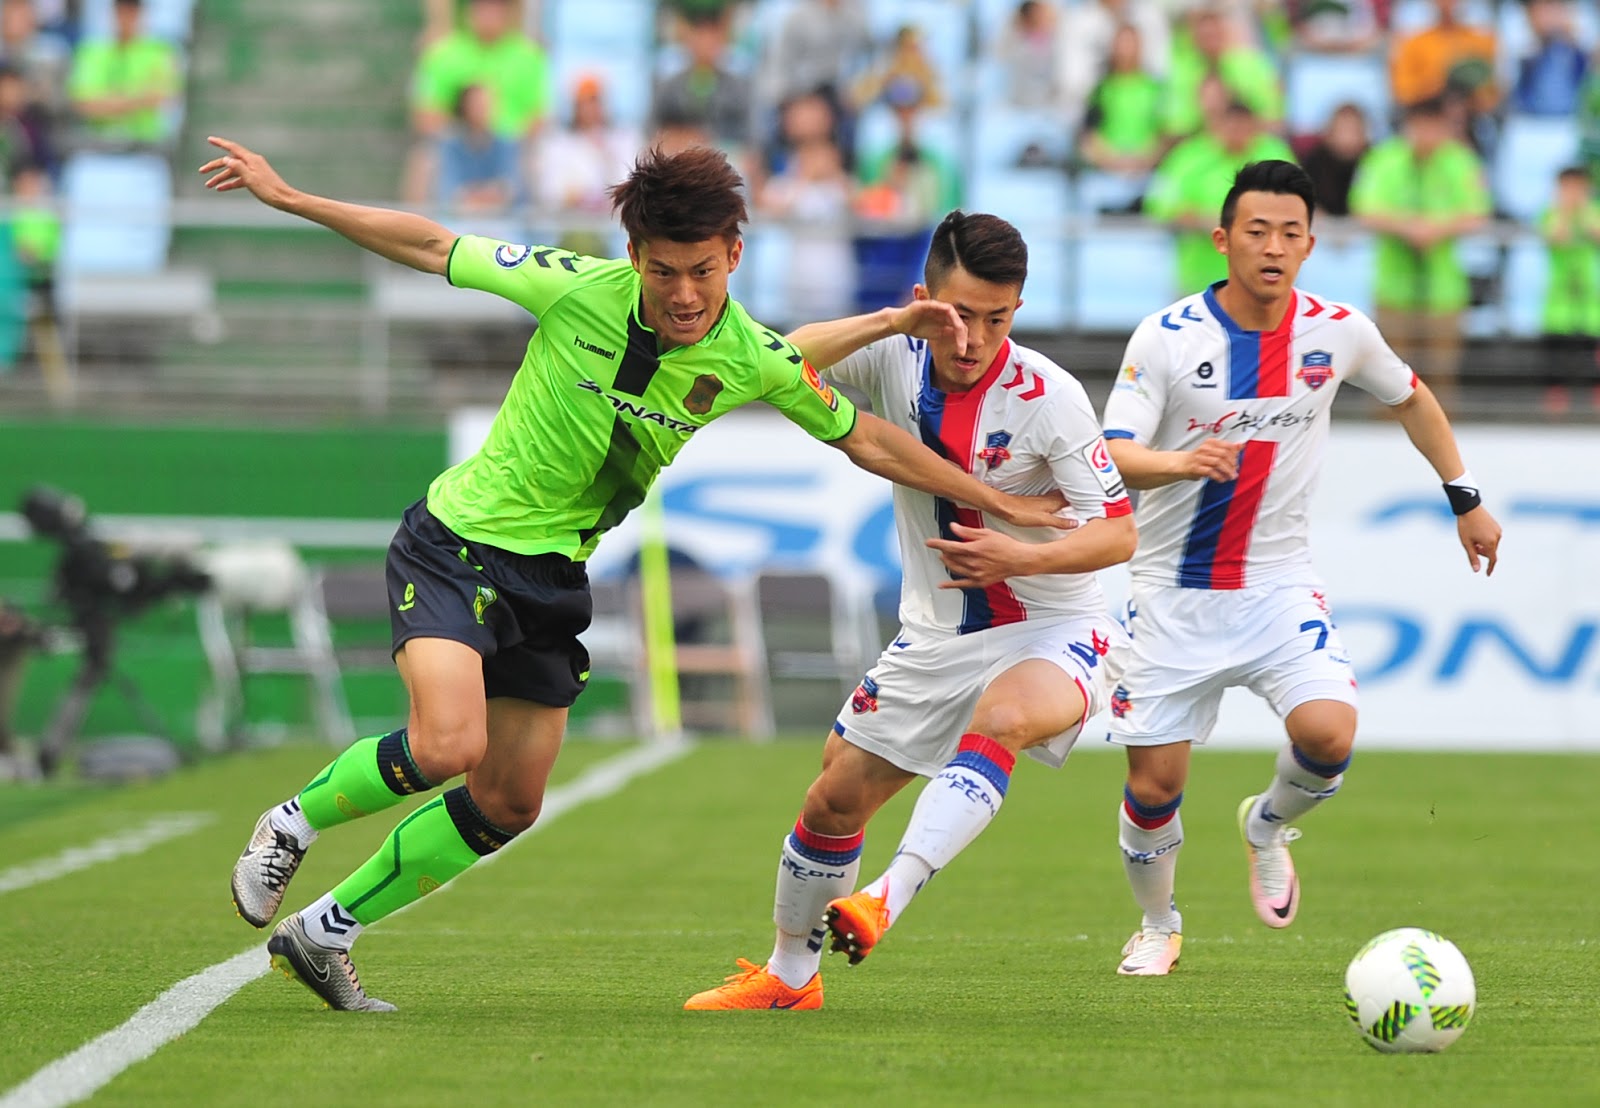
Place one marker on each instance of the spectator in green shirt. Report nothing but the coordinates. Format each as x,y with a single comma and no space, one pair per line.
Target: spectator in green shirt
489,51
1571,231
1122,127
1214,47
1192,181
123,86
1421,191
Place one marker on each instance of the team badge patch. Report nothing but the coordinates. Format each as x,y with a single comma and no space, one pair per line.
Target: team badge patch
509,256
1105,470
1120,704
703,394
865,698
994,452
820,386
1316,369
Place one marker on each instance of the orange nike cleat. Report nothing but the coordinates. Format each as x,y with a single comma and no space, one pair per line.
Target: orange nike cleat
857,921
754,987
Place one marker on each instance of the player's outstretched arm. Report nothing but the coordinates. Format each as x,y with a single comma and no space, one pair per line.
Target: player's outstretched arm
828,344
979,557
1429,430
402,237
880,447
1143,468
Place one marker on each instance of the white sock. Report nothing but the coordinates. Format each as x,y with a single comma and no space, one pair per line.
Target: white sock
288,818
953,809
1150,857
1298,786
328,924
812,870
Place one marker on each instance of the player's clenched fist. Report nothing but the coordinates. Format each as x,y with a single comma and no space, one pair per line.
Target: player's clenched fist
1215,459
242,168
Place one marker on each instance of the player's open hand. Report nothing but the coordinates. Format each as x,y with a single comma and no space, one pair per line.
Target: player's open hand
981,557
1480,538
242,168
932,320
1034,511
1213,459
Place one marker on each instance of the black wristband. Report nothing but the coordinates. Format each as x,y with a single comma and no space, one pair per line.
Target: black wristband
1463,498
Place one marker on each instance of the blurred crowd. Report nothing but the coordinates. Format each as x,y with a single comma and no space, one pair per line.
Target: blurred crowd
1149,106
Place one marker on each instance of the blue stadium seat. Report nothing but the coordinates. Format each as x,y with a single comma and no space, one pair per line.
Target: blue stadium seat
1342,269
1036,196
877,130
626,79
1001,133
172,20
118,213
1532,150
1122,274
945,27
1527,277
763,275
1315,84
1480,256
624,28
1411,16
1108,192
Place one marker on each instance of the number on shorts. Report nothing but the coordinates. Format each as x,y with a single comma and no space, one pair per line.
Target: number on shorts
1321,629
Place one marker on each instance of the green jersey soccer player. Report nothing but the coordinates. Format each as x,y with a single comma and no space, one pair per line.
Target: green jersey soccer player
486,573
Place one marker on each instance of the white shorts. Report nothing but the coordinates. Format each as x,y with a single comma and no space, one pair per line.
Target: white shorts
1188,645
913,706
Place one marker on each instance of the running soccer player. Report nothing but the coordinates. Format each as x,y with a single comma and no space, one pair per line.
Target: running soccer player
977,674
1221,414
486,573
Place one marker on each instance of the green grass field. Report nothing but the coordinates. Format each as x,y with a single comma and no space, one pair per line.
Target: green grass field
556,975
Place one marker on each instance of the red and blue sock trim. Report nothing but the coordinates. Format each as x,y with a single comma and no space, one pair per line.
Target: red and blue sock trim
987,758
1149,816
826,850
1321,769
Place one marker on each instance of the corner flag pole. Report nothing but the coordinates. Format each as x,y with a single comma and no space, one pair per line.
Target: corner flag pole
660,644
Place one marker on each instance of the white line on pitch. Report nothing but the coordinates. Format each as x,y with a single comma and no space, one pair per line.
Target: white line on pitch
123,843
92,1066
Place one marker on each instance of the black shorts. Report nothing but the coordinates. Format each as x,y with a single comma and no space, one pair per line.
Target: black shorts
522,612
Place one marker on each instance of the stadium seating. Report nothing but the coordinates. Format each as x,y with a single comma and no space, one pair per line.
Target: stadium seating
1120,275
1527,277
1001,133
1341,268
600,28
1532,150
1411,16
172,20
1316,84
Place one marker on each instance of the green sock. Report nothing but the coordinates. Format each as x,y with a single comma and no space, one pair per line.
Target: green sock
371,775
442,838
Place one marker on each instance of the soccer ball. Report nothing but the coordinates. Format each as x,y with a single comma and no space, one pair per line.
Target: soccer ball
1409,991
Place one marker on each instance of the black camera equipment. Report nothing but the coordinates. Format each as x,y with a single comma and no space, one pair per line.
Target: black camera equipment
101,583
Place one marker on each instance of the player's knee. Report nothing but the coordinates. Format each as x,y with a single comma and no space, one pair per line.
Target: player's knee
446,749
831,810
1007,724
510,810
1329,747
1156,784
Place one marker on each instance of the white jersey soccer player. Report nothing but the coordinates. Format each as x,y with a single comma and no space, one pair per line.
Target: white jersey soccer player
1221,413
982,669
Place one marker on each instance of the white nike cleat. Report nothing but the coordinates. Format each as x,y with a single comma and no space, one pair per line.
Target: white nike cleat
262,873
1274,886
328,973
1152,952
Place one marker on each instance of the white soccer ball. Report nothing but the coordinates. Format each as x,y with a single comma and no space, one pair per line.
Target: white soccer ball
1410,991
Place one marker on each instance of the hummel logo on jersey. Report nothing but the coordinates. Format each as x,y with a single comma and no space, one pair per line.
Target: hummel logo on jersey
639,411
608,355
1205,373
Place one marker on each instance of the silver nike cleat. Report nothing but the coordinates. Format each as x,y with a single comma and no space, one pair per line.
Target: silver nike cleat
328,973
262,873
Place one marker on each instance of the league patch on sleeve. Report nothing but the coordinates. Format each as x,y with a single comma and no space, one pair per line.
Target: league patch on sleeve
1105,470
509,256
820,386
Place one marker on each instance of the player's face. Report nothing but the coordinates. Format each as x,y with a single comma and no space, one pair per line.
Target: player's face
987,309
1267,244
685,284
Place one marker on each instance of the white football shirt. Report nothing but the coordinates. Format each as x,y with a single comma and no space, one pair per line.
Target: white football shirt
1025,427
1190,374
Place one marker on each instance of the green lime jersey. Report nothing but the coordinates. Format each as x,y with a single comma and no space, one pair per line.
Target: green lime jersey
597,408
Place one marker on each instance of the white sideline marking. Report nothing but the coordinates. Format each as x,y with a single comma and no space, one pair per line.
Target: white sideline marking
71,860
94,1065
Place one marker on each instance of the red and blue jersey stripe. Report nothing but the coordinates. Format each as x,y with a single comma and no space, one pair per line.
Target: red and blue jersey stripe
1219,536
949,426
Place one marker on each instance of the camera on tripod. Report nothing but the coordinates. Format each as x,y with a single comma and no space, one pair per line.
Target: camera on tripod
100,583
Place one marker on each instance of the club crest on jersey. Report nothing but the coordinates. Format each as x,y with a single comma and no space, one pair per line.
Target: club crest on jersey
1120,704
702,394
994,451
865,698
509,256
1316,369
820,386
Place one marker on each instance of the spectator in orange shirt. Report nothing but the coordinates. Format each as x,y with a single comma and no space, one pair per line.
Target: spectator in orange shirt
1448,59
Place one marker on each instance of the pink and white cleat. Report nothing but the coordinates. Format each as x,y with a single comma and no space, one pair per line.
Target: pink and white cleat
1152,952
1274,888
